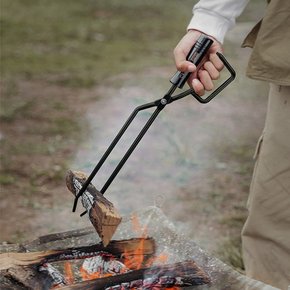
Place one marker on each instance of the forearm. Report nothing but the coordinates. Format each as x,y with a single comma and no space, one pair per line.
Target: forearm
216,17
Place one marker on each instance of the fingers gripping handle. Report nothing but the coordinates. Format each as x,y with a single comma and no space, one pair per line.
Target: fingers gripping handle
196,54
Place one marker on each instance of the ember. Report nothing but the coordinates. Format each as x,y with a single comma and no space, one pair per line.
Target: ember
103,265
129,270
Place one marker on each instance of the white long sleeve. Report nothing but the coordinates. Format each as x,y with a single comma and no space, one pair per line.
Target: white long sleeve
216,17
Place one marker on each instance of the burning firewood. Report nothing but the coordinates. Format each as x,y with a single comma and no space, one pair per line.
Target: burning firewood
102,212
180,274
111,267
22,267
117,248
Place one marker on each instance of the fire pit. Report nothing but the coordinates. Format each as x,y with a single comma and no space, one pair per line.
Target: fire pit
150,257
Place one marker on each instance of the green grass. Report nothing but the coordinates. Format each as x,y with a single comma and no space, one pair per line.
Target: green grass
79,43
6,179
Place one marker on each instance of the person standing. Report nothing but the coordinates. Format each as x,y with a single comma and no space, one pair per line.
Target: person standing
266,233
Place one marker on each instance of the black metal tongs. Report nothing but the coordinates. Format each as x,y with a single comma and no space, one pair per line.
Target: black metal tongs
195,56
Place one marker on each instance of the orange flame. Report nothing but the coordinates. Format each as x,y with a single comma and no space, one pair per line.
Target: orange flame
136,260
69,276
161,259
132,260
89,276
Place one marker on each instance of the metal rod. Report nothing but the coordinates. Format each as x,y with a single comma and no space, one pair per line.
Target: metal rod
110,148
132,147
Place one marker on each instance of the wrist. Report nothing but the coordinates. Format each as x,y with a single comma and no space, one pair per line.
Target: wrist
211,24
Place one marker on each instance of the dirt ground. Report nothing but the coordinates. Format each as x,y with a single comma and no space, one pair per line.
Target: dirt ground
195,162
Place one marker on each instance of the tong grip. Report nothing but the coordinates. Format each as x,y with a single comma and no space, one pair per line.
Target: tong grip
195,55
221,87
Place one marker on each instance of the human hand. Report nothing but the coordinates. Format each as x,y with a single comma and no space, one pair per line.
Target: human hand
201,78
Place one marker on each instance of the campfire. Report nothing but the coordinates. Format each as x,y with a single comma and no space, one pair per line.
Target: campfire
122,264
134,271
146,253
168,259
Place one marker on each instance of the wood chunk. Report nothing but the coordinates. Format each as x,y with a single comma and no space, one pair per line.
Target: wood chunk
13,260
117,248
102,212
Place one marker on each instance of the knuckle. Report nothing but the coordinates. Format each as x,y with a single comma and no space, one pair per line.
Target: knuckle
198,88
212,70
203,74
220,66
215,75
180,66
209,87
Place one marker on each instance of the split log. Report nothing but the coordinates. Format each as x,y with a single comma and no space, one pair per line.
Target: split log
179,274
117,248
13,260
102,212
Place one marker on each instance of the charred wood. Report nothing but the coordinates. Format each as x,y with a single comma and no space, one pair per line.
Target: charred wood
179,274
28,278
57,278
117,248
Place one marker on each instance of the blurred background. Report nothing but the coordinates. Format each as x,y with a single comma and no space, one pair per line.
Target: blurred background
72,72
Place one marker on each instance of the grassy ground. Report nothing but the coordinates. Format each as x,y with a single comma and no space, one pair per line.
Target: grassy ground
79,43
73,44
52,54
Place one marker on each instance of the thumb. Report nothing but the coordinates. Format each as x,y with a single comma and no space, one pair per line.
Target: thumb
182,49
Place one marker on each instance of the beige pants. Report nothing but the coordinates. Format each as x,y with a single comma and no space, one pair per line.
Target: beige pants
266,234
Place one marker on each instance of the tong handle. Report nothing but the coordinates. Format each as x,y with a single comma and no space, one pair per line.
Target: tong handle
221,87
195,55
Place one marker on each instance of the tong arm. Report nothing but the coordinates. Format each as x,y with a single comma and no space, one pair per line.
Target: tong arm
111,147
